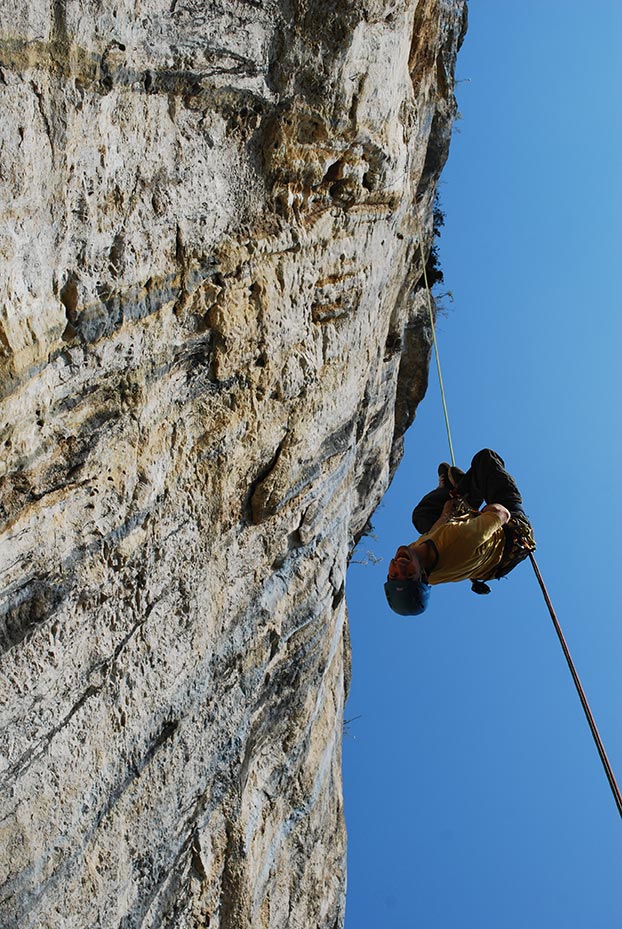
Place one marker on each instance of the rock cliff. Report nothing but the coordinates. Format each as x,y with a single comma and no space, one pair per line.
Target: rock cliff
212,339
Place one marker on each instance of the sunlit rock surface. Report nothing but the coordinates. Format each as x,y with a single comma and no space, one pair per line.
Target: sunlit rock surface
212,339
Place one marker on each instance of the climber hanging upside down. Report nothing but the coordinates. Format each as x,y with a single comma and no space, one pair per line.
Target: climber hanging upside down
459,540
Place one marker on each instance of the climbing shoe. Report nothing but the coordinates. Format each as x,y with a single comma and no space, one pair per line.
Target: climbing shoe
449,475
454,475
443,475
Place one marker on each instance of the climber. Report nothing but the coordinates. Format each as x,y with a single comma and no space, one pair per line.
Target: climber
459,540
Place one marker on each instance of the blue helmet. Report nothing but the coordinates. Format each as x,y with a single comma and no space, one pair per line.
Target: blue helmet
408,598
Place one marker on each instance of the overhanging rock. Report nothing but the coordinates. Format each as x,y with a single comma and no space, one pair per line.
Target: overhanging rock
211,344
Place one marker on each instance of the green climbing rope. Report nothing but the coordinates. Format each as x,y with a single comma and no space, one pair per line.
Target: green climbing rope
432,324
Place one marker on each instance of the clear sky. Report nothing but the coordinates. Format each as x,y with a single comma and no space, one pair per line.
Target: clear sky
475,798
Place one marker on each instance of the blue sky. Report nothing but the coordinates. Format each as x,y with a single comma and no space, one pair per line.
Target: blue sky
475,798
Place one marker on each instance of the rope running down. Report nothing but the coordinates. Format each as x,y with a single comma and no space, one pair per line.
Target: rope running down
586,707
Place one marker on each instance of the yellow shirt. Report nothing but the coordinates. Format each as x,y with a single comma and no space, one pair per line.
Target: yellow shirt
468,546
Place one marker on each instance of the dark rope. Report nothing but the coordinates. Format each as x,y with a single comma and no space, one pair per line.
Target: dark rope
586,708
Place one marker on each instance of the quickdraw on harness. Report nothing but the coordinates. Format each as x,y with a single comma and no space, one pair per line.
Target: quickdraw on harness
520,544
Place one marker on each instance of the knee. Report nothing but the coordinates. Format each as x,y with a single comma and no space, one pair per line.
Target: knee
487,456
421,520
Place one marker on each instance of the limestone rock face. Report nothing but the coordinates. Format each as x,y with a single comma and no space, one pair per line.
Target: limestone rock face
212,339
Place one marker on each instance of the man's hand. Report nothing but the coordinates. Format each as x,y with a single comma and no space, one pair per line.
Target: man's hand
445,515
499,510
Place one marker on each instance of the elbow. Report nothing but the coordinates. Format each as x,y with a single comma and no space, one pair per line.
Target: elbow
499,510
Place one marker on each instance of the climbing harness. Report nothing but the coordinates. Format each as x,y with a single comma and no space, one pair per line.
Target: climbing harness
519,542
584,703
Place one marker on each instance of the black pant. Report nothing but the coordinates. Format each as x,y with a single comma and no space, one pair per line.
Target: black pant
486,480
